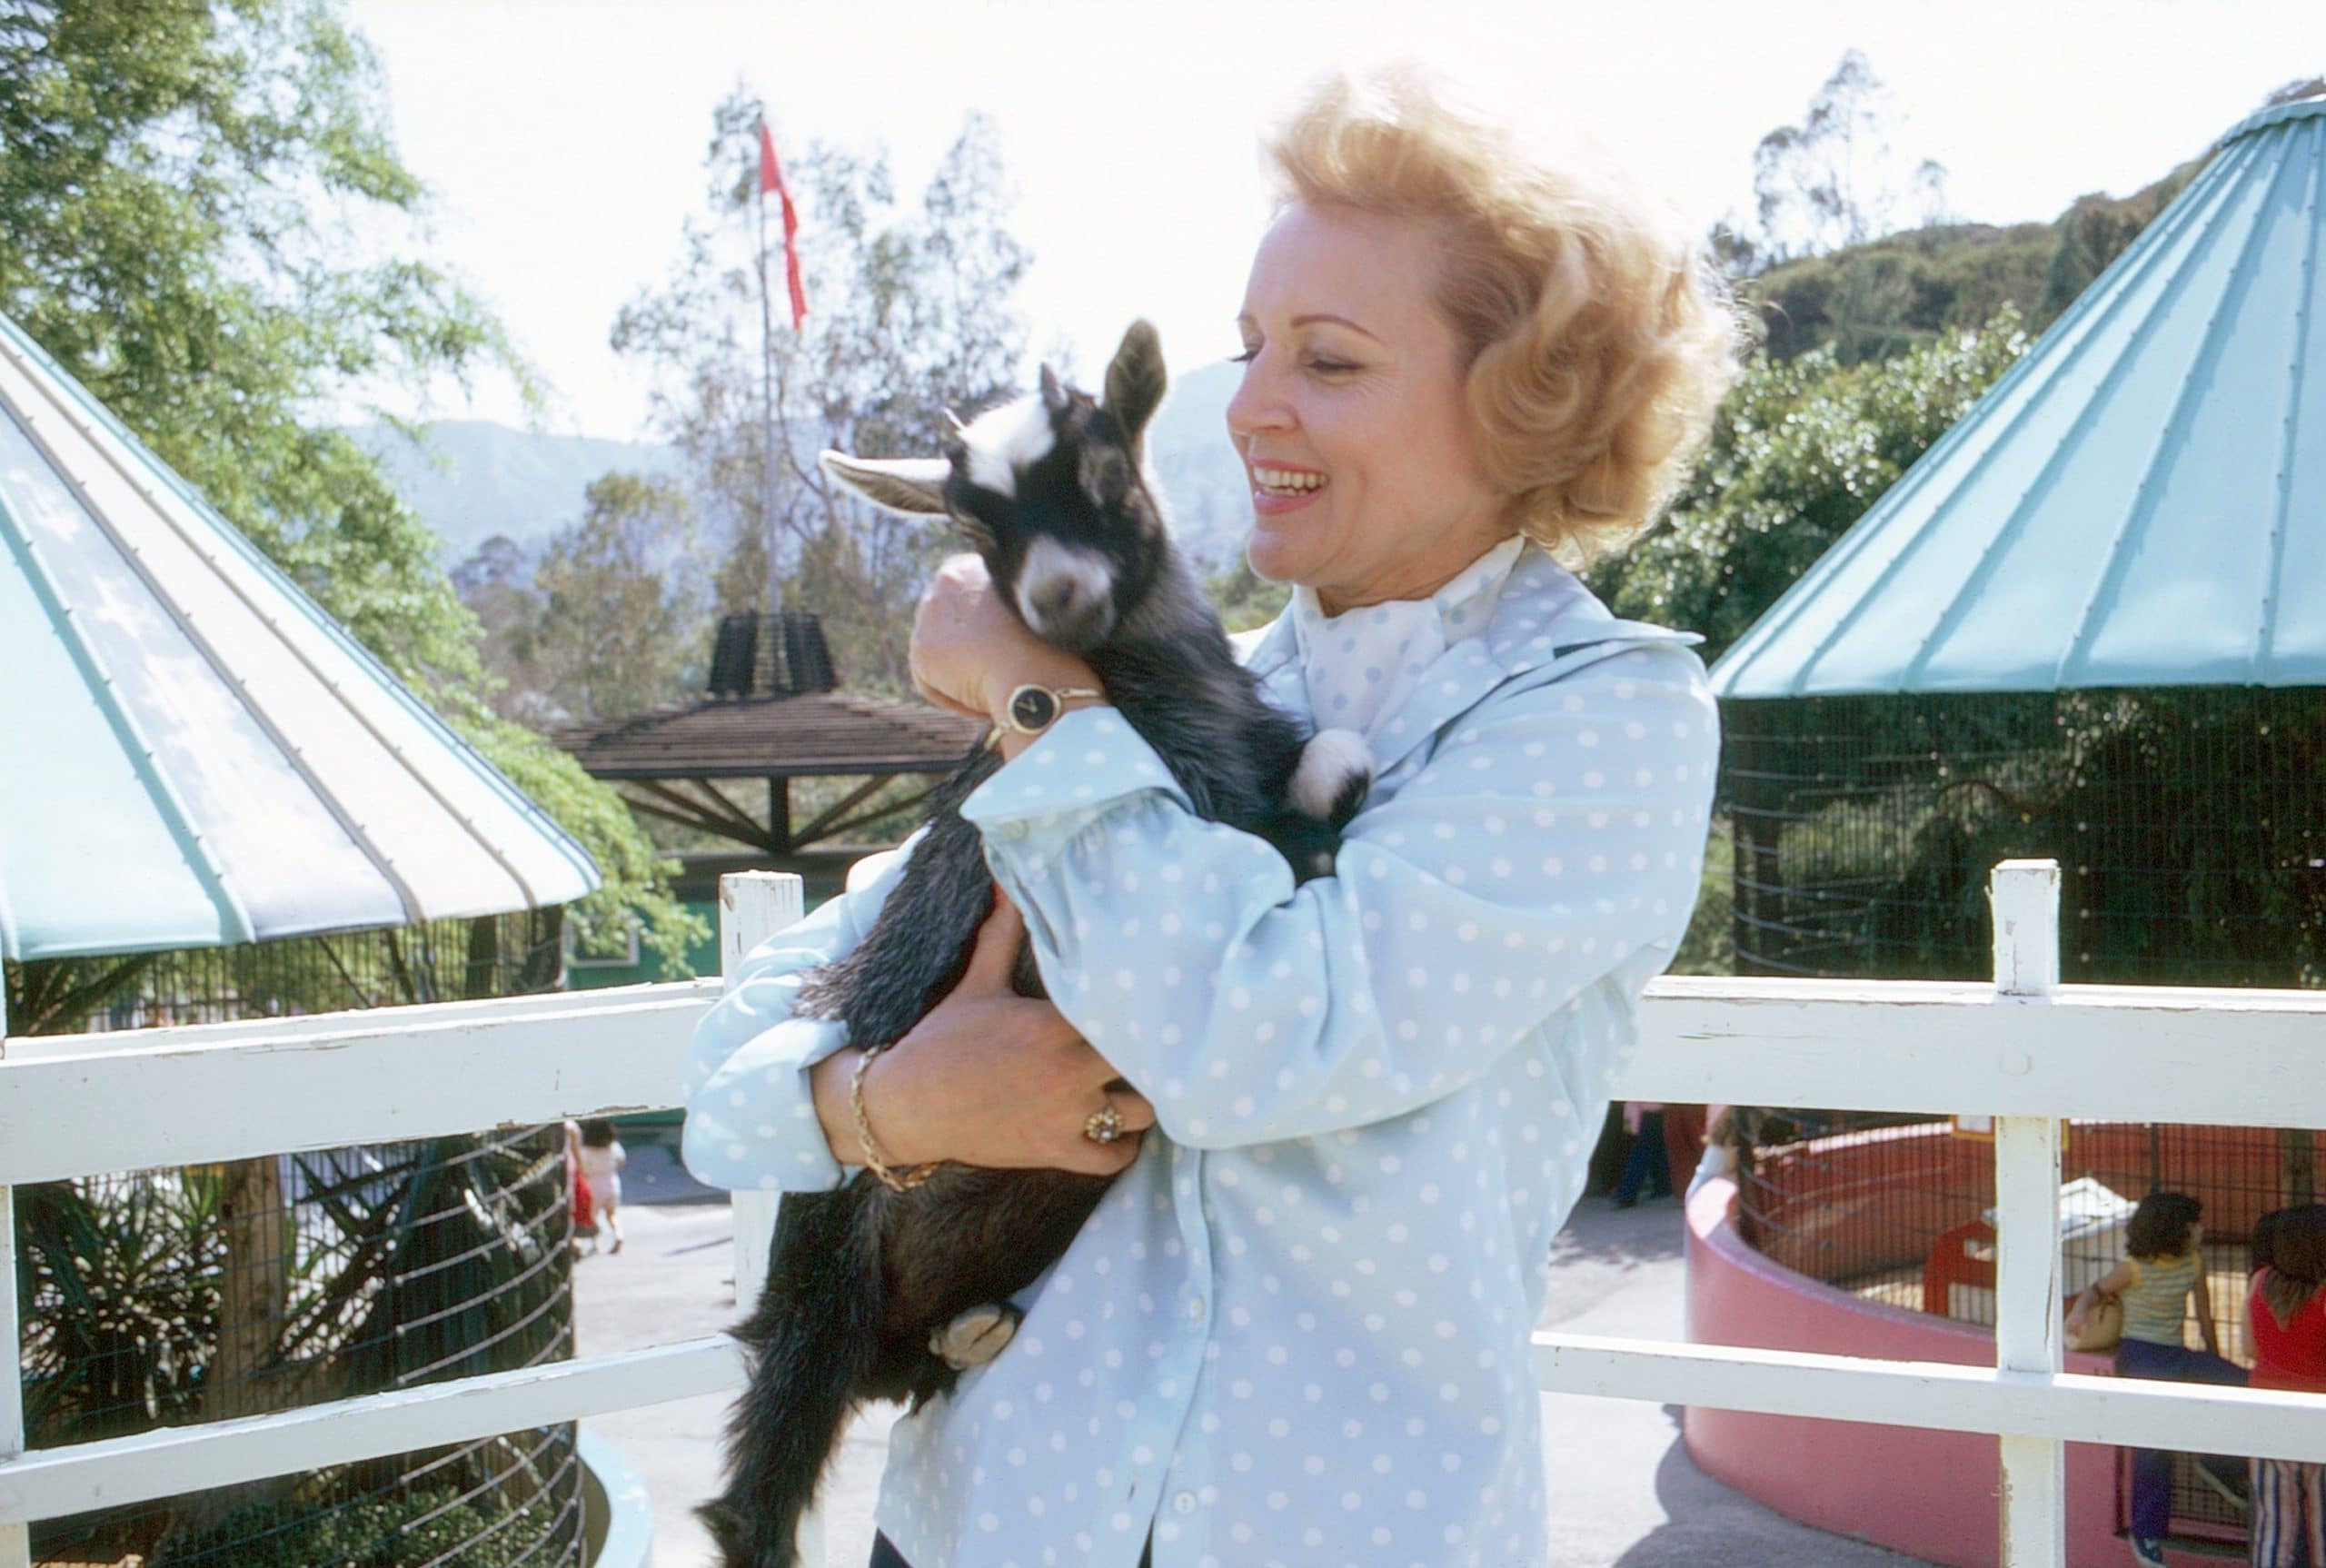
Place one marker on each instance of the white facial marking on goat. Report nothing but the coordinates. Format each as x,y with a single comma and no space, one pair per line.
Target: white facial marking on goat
1004,439
1049,563
1331,762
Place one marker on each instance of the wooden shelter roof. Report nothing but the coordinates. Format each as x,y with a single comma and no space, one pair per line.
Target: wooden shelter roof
809,735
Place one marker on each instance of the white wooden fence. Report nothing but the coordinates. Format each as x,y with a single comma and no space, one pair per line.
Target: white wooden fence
2025,1049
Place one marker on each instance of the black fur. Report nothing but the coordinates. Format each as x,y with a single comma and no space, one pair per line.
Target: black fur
861,1276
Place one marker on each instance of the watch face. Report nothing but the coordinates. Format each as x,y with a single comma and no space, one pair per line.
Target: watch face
1031,707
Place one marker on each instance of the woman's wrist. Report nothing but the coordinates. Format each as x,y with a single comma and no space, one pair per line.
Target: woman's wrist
833,1083
829,1082
1072,682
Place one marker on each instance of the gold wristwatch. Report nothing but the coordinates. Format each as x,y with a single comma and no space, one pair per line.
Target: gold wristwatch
1032,709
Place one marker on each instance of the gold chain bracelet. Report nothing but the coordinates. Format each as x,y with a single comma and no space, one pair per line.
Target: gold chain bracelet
880,1167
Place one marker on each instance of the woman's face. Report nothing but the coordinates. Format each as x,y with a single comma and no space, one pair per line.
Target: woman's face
1350,420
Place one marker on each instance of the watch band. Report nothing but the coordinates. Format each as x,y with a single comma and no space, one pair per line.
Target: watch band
1032,709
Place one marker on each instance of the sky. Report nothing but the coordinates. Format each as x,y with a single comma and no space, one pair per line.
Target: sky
563,139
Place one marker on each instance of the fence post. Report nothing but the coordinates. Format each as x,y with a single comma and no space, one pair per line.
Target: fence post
2026,897
753,907
16,1539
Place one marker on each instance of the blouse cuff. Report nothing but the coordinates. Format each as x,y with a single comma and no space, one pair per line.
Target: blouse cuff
1090,760
760,1101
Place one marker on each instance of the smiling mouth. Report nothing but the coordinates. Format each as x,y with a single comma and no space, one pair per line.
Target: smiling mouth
1283,481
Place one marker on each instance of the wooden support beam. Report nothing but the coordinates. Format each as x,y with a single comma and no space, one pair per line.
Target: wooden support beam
688,820
907,804
720,815
822,822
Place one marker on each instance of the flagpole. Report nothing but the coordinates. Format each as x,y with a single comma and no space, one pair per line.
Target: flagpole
767,415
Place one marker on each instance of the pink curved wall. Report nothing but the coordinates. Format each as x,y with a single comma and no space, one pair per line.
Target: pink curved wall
1932,1495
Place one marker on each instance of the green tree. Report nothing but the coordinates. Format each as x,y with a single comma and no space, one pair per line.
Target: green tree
1802,449
910,315
202,217
1243,598
615,628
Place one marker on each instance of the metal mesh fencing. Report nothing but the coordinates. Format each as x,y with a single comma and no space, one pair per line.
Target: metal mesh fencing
203,1293
2190,826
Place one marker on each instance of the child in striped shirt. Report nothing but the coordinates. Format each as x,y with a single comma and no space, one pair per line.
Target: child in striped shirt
2165,1267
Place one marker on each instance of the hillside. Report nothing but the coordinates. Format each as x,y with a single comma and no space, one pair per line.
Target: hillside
476,479
1878,298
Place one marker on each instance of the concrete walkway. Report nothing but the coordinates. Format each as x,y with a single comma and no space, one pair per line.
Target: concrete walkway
1622,1491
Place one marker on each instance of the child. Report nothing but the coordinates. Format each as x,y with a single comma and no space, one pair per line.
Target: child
1725,1149
1646,1163
2285,1312
2166,1243
601,1162
585,1218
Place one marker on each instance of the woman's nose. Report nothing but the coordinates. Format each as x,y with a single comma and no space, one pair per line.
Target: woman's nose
1258,404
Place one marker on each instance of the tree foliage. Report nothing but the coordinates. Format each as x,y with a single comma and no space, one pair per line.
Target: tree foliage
910,315
193,200
607,624
1802,449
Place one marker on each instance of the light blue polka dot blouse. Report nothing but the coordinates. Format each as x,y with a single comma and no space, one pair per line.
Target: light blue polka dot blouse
1296,1330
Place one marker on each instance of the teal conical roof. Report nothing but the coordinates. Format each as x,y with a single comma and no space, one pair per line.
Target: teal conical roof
2141,501
190,753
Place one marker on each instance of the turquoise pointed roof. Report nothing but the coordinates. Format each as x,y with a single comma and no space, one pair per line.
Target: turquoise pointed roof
2140,502
192,753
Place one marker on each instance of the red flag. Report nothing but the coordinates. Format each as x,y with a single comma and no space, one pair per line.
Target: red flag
771,179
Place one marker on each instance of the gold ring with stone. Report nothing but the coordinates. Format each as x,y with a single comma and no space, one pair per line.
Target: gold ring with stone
1104,1126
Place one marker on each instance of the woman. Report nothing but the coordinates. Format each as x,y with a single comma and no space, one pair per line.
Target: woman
1296,1329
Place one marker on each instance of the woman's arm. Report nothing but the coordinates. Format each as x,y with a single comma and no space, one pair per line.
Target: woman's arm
751,1113
989,1077
1554,839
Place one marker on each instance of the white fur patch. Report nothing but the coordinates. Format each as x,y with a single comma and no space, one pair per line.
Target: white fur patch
1004,439
1049,562
1331,762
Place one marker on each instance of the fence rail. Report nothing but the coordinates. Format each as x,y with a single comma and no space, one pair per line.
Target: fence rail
2025,1050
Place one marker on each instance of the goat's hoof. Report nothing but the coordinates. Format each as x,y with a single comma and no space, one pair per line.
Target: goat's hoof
976,1337
1335,774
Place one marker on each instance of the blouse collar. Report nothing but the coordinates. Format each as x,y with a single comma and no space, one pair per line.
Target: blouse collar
1358,665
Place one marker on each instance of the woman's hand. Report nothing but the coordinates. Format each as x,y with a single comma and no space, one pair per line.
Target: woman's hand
989,1077
969,653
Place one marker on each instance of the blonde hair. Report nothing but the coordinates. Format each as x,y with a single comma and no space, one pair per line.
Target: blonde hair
1599,342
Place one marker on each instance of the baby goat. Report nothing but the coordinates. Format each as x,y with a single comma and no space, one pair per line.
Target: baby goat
873,1294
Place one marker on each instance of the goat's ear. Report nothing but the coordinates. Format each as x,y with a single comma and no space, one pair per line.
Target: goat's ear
914,486
1053,392
1135,383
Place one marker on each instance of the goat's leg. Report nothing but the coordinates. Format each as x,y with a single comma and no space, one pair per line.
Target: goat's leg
1334,775
976,1337
810,1345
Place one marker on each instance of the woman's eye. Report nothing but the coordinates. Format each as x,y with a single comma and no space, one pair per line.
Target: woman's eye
1330,367
1247,357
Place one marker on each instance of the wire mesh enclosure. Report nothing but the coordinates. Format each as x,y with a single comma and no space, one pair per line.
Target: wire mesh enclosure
198,1293
440,962
2189,824
2190,828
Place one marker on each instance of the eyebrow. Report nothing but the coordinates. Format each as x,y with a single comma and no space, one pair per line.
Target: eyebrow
1320,316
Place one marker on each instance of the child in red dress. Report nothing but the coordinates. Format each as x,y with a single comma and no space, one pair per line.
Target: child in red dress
2285,1314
